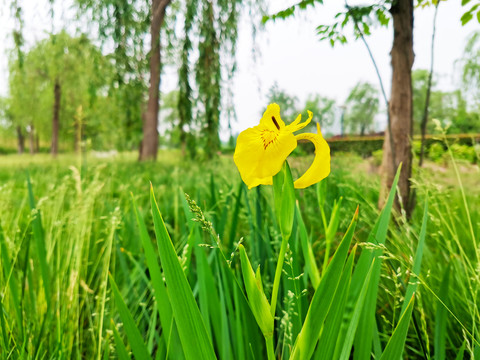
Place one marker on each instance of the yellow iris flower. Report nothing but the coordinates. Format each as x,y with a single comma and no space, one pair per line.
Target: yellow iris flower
262,149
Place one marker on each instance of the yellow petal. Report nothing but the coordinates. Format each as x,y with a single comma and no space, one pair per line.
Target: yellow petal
271,118
261,151
296,125
320,167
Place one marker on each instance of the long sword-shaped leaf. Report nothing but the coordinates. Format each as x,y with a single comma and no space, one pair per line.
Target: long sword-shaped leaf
193,334
461,351
395,345
322,299
417,262
256,297
133,334
310,264
333,322
352,326
364,335
164,308
122,352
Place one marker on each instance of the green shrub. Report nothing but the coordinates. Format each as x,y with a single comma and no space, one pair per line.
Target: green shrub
416,146
377,157
436,151
476,148
363,146
464,152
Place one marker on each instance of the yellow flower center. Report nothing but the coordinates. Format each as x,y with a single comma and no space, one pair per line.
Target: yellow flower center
268,137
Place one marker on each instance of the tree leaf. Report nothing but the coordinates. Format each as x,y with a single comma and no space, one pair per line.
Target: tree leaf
466,17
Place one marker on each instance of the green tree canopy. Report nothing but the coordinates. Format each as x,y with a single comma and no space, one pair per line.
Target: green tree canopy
80,71
287,102
323,109
361,107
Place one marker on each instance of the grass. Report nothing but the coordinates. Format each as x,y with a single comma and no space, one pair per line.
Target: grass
80,274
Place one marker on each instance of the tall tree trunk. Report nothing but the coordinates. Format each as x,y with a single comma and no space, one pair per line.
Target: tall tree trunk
423,126
21,140
149,146
55,119
400,106
31,137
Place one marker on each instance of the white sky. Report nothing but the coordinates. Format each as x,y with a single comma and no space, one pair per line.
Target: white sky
293,56
291,53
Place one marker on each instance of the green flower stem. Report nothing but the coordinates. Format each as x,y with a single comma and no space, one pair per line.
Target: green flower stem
278,273
270,349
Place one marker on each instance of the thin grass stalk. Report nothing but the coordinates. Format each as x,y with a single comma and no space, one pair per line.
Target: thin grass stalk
475,312
108,248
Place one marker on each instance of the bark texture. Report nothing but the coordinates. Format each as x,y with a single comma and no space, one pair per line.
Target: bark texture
400,105
149,145
56,117
21,140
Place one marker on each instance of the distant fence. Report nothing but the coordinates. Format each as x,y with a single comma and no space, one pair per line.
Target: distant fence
366,145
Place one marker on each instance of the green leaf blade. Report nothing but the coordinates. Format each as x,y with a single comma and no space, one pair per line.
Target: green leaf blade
191,328
133,334
396,343
322,299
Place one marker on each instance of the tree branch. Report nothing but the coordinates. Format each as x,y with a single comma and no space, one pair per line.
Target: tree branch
392,146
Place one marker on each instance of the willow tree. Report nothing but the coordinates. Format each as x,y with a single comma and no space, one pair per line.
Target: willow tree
216,23
28,103
59,74
128,25
361,108
17,34
185,106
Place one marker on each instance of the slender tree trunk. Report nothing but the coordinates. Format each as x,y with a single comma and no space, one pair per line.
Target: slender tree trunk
21,140
55,119
78,130
149,146
31,137
400,106
78,137
429,89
